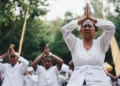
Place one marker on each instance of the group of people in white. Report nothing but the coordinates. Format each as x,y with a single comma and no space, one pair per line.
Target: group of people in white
88,56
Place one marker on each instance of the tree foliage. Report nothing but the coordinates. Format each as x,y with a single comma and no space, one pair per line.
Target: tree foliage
12,14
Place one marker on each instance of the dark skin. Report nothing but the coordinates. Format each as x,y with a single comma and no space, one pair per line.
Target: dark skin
71,65
47,63
13,59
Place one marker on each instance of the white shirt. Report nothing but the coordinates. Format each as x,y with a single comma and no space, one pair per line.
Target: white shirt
13,76
88,64
63,77
31,80
48,77
118,81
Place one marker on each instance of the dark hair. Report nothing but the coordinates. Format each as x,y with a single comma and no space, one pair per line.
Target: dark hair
49,57
96,28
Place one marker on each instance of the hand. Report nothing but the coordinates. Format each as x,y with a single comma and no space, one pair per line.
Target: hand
85,12
8,52
12,51
46,50
88,13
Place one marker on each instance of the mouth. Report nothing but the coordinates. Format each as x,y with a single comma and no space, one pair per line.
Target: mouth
87,32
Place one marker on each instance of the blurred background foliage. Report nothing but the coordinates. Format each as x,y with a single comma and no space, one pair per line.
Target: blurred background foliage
39,32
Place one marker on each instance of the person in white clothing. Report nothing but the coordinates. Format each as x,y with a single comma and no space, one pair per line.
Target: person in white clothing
13,71
64,74
30,78
48,74
88,54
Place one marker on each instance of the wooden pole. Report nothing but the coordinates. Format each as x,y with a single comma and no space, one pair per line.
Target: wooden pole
115,51
23,31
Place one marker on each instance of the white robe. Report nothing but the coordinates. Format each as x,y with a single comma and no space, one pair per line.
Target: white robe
88,64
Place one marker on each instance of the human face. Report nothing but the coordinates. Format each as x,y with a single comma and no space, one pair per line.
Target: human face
13,59
47,63
88,30
30,72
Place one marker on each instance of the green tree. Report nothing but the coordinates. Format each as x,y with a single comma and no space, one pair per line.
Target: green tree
36,34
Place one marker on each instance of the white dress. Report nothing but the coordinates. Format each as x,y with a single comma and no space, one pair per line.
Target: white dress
88,64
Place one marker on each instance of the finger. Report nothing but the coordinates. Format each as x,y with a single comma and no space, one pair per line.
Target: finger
47,46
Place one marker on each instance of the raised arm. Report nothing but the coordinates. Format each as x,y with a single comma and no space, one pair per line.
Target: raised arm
24,64
67,32
109,30
37,60
58,60
6,54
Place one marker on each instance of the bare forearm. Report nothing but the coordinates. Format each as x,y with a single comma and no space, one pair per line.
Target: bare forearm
58,60
110,75
3,56
71,65
81,20
37,60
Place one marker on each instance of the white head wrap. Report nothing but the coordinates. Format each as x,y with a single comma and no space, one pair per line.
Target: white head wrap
30,69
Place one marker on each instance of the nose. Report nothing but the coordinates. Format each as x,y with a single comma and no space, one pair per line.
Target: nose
46,63
87,27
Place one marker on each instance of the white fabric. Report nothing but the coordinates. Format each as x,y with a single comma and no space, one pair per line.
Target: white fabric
30,69
88,64
118,81
63,78
13,76
31,80
64,67
48,77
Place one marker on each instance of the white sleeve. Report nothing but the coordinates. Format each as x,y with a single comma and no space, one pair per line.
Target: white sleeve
2,67
24,64
109,30
67,33
56,70
37,72
64,78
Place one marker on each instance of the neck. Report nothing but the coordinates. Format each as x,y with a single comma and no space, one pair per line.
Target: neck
12,65
87,41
